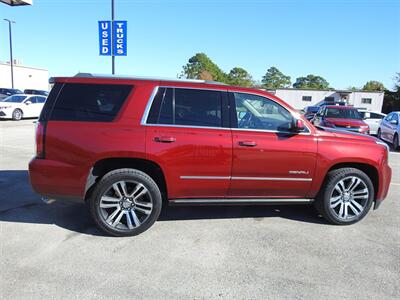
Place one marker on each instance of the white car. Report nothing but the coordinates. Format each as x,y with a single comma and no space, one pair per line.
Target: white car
373,119
20,106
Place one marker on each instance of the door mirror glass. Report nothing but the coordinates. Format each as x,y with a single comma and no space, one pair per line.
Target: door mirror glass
394,122
298,125
28,102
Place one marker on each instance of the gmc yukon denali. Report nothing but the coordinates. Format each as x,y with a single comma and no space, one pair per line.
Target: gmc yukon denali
125,146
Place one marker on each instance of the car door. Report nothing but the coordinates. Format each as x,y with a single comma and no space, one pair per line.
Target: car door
188,135
29,106
386,127
40,103
269,160
394,122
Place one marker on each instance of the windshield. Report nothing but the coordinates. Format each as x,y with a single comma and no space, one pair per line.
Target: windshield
15,99
343,113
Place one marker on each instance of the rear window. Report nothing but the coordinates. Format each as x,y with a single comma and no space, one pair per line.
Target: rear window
342,113
89,102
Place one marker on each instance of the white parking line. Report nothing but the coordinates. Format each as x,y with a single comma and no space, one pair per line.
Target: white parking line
395,183
18,147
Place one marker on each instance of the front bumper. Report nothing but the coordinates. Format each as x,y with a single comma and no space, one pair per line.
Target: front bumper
385,177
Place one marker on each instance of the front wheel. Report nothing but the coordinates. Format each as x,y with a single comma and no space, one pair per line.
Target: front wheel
17,115
379,134
125,202
346,196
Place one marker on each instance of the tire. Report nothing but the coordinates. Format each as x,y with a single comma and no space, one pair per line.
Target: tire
334,202
379,135
125,202
396,145
17,114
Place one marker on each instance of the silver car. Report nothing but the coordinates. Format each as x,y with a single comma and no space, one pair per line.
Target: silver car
389,129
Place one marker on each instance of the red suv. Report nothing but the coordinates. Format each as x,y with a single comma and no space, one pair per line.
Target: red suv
124,145
341,117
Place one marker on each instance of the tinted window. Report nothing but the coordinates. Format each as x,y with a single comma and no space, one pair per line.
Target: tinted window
342,113
256,112
376,116
33,100
15,99
307,98
161,109
198,108
89,102
191,107
41,99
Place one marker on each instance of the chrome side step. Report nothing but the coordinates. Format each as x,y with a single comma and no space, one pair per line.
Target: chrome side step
233,201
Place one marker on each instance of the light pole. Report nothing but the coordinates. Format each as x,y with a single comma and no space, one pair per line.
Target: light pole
112,39
11,54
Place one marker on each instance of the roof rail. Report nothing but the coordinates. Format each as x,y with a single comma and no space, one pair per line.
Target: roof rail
91,75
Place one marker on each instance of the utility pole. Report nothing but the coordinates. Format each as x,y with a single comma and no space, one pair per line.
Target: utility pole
11,53
112,38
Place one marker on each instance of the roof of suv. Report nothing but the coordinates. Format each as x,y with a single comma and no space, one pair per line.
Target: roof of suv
108,76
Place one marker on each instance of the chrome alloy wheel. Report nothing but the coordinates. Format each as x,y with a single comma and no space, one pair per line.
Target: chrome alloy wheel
126,205
349,198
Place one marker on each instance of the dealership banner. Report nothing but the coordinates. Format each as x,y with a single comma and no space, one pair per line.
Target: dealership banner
113,38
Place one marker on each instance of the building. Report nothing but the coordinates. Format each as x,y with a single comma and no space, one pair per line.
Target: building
300,98
24,77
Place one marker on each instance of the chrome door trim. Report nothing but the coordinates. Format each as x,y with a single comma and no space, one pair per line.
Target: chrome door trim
240,201
245,178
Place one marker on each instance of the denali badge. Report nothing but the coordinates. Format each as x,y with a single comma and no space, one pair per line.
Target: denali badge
299,172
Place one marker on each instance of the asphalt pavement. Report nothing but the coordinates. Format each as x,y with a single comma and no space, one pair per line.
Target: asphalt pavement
260,252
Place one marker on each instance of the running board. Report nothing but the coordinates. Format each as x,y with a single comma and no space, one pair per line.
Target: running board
233,201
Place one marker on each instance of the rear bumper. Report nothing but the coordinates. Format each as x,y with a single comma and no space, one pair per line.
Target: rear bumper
53,179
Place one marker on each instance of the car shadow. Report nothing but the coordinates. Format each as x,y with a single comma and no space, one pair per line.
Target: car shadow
20,204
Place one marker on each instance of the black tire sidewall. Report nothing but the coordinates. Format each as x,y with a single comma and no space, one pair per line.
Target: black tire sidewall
330,185
396,142
106,182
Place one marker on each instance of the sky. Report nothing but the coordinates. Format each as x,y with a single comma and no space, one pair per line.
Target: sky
348,42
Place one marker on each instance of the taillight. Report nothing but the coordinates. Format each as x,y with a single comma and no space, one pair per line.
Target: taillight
40,139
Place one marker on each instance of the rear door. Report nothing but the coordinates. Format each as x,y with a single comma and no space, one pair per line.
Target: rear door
269,160
188,134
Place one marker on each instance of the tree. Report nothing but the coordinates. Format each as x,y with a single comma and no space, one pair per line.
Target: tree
373,86
397,82
239,76
353,88
275,79
201,65
311,82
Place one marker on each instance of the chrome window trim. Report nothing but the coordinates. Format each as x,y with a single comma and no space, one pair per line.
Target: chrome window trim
245,178
143,121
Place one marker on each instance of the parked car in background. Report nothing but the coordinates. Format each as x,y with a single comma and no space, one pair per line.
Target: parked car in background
21,106
389,130
4,93
36,92
341,117
373,119
187,142
310,111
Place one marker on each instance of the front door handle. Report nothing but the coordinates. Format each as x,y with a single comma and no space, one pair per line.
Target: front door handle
247,143
164,139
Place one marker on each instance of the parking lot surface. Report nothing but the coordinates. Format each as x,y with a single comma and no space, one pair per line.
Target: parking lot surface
260,252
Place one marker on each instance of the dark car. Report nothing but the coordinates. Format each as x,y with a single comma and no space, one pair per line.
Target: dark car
341,117
127,146
4,93
36,92
310,111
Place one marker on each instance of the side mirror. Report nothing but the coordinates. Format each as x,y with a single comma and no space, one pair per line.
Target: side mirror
298,125
28,102
394,122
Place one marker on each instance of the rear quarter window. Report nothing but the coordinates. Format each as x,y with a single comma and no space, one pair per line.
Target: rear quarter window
89,102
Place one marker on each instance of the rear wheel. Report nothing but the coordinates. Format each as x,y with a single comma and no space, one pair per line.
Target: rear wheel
378,135
17,114
396,145
125,202
346,196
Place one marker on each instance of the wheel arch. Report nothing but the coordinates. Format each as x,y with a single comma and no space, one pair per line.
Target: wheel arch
368,169
106,165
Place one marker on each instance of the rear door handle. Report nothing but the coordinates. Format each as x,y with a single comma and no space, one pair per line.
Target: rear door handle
164,139
247,143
